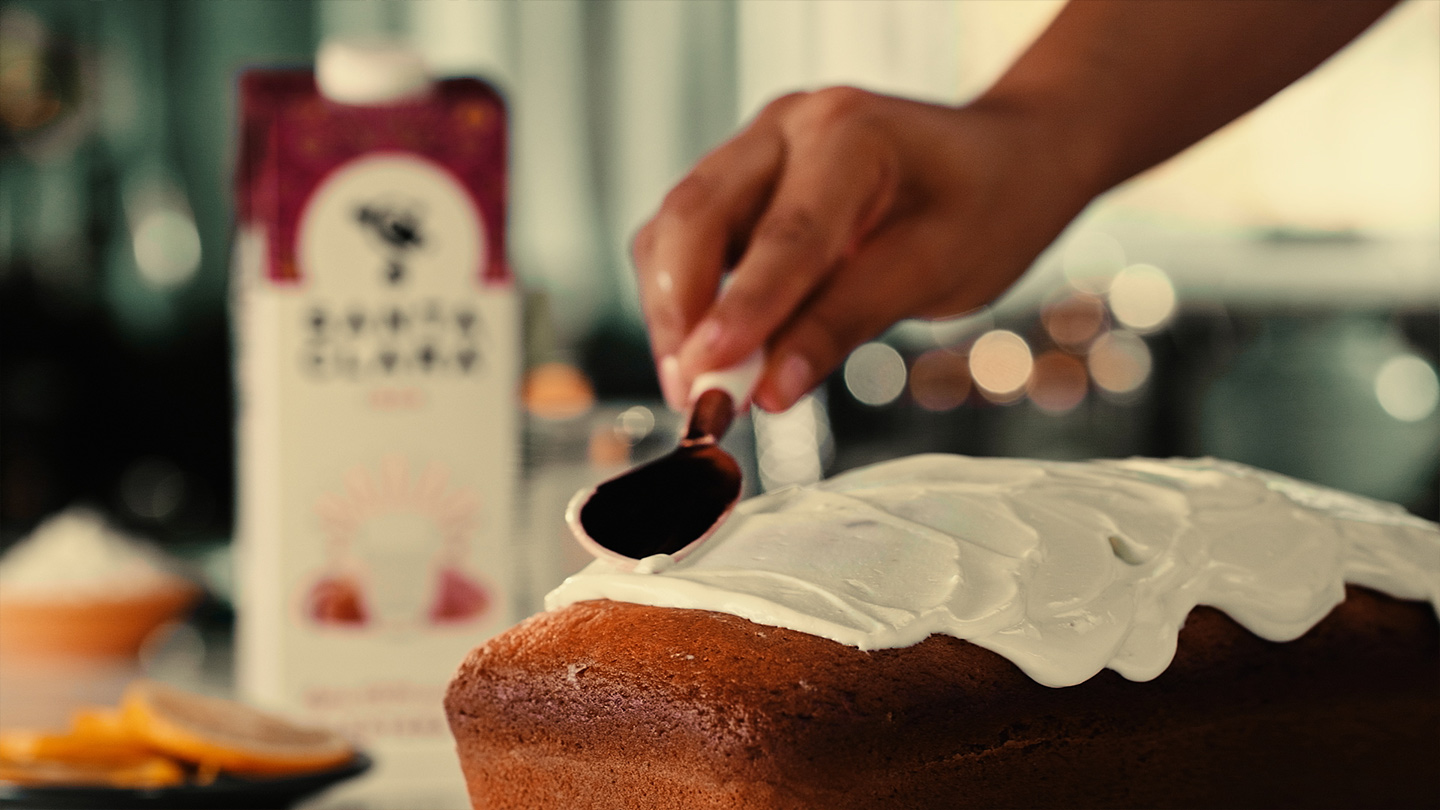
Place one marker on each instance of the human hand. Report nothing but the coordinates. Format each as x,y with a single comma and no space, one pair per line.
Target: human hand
842,212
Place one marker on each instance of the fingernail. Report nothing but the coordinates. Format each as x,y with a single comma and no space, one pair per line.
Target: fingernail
793,379
670,382
708,334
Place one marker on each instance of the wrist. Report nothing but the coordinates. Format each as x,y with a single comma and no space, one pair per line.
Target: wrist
1062,141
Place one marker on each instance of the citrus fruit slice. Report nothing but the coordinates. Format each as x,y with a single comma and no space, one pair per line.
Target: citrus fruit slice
226,735
100,723
150,772
48,758
17,745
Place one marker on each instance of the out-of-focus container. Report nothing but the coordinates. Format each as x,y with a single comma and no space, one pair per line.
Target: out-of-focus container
99,627
377,333
77,588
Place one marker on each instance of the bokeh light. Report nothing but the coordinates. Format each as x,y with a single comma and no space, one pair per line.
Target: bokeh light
875,374
939,380
30,89
1073,319
1407,388
607,448
557,391
153,488
1058,382
635,423
1142,297
1091,259
1000,364
1119,362
167,247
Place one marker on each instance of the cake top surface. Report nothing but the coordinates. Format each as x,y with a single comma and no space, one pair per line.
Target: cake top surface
1064,568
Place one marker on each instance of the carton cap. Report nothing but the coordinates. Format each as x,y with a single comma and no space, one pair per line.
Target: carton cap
371,72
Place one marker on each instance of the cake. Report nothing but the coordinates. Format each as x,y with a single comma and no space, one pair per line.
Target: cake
942,631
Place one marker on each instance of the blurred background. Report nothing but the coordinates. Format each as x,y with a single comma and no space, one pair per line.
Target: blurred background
1270,296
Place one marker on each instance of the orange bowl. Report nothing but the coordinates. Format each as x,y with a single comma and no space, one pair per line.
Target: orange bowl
88,627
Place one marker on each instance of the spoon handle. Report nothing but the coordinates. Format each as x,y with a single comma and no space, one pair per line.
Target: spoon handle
738,380
717,396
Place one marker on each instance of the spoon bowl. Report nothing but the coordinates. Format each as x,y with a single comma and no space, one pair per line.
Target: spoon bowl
674,503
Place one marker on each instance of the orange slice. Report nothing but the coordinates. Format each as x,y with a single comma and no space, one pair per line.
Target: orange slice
27,746
150,772
48,758
226,735
100,723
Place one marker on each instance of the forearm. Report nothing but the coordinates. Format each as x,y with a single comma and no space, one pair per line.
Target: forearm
1125,84
856,210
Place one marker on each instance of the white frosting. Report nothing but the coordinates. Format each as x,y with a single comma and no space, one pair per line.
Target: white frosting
1064,568
77,555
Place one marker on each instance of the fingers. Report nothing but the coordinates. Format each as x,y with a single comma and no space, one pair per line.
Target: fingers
923,267
838,178
884,282
853,211
681,253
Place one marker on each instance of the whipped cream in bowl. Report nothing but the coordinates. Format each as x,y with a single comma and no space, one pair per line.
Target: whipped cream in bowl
1064,568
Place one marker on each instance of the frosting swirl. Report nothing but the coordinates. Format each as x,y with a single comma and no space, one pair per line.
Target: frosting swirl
1064,568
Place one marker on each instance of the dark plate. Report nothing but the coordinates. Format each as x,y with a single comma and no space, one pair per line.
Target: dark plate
227,791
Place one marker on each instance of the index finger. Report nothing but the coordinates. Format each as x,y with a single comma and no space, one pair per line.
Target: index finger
681,253
837,176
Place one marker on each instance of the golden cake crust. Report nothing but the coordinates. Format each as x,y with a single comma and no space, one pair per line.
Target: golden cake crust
608,704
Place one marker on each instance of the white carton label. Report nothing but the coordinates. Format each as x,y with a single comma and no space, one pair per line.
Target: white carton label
378,440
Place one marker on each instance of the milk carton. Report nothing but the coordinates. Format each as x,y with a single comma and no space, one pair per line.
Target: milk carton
377,361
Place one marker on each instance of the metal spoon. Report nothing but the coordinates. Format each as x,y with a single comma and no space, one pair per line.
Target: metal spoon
672,504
